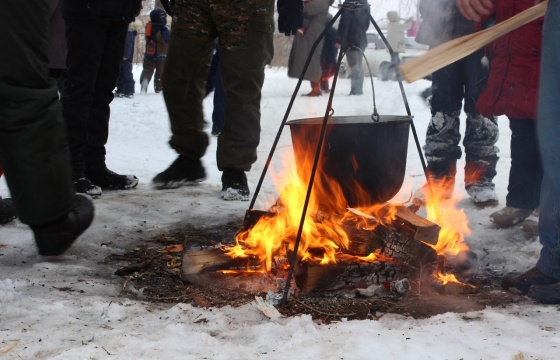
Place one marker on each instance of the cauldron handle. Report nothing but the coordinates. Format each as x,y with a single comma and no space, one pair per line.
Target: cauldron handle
375,116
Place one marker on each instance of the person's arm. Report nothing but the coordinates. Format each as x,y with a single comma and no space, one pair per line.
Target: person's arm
475,9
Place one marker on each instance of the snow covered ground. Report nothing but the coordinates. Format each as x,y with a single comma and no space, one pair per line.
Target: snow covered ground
71,308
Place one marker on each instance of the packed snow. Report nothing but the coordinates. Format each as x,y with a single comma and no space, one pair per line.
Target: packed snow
74,307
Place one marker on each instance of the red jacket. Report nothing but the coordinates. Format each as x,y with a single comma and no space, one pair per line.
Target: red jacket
513,83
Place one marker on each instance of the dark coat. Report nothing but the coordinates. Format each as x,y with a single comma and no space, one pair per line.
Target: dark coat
441,21
57,41
513,83
315,14
352,28
160,34
111,10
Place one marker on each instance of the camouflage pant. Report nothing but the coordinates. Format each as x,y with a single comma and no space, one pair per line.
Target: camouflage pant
244,29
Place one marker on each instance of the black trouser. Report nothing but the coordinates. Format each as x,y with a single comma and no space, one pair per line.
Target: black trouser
95,51
151,65
526,173
33,148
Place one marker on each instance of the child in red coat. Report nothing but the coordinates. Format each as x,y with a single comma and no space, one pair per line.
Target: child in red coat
512,90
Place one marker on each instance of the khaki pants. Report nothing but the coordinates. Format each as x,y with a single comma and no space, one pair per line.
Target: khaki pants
245,49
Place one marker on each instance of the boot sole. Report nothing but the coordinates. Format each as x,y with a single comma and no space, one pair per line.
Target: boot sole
176,184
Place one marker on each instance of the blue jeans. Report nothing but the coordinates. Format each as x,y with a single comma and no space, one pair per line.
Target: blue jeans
548,131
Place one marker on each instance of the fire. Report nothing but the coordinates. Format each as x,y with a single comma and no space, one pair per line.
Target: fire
453,221
323,237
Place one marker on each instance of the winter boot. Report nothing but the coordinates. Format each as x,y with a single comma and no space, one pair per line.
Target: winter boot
545,294
56,237
478,180
82,185
442,178
183,171
315,89
530,227
234,185
7,211
109,180
523,281
509,216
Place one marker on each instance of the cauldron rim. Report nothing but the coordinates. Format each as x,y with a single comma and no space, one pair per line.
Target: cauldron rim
349,120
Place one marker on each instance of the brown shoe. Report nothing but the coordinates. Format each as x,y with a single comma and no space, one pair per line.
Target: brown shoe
523,281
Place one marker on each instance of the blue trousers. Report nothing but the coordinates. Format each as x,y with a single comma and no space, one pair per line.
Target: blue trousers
548,132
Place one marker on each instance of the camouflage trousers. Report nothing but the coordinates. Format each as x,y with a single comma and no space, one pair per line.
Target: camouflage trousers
244,30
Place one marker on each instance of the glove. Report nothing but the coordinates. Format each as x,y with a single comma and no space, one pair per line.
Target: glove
290,16
168,5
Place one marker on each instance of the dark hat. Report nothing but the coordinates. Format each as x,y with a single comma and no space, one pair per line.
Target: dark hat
158,16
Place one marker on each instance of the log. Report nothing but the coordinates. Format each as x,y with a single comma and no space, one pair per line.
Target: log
451,51
408,223
311,277
196,262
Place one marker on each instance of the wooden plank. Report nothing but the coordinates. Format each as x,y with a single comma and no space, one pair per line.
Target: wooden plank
451,51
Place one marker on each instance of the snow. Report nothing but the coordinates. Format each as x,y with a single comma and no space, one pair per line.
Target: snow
73,306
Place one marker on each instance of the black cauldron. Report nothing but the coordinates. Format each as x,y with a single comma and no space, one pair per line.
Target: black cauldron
357,151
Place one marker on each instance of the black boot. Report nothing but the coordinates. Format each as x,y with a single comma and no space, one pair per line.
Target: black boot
524,281
183,171
110,180
7,211
56,237
546,294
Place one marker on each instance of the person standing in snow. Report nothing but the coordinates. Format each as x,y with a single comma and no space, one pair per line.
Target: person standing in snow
125,84
245,32
395,35
512,90
542,282
95,35
157,40
315,14
33,146
354,22
458,84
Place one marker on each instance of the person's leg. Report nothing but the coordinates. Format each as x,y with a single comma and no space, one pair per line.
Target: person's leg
525,176
354,58
98,121
245,49
548,130
244,52
160,64
128,77
442,136
148,69
86,42
33,148
186,68
481,135
542,282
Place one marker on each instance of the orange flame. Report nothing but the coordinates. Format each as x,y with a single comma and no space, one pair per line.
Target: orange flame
442,209
323,237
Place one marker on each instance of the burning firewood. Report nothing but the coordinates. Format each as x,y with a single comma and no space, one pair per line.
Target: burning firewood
408,223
